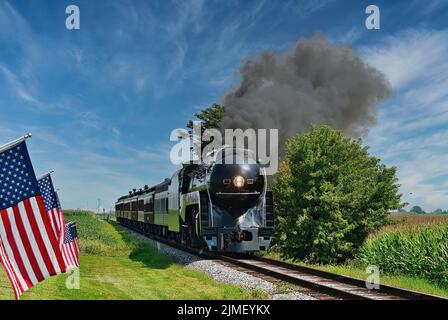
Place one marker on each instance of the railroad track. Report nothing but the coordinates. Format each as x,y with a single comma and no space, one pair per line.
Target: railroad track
316,283
330,284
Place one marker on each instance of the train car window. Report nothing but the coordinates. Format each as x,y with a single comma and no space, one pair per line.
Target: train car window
141,205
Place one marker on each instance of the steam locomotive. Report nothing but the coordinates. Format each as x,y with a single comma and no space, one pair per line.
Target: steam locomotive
217,206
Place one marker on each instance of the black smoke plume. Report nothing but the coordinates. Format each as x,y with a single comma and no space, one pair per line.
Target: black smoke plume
317,83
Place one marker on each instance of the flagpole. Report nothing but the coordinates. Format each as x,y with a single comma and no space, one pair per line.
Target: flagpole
12,144
46,174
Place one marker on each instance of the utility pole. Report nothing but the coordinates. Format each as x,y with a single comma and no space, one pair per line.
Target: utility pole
99,205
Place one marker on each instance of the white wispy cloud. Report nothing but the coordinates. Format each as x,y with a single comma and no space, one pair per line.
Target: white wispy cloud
412,131
410,55
426,8
17,86
306,7
188,16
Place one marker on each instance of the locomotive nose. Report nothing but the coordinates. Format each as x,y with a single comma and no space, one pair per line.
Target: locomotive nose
236,188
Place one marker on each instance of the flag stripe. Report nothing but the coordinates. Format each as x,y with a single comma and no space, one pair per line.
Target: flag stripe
75,249
48,237
9,271
53,240
22,253
62,223
56,216
69,261
8,238
39,237
53,223
11,255
34,245
27,245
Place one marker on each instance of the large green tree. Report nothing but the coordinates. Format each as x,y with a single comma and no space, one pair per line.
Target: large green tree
329,195
210,118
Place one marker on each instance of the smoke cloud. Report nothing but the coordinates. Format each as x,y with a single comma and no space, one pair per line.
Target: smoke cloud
316,83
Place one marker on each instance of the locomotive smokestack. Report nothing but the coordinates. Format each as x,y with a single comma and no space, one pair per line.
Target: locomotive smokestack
316,83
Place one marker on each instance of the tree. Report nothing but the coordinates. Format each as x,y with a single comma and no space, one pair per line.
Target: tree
417,209
210,119
438,211
329,195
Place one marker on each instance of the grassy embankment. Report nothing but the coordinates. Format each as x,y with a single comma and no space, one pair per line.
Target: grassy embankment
411,252
115,265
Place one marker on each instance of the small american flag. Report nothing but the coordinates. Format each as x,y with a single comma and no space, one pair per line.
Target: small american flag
63,232
52,206
29,250
70,247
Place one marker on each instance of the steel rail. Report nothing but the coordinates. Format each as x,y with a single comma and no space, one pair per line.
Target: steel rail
399,292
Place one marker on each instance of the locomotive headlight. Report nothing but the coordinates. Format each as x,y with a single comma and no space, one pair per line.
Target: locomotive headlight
238,181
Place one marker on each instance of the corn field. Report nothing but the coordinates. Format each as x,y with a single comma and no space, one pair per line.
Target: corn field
413,249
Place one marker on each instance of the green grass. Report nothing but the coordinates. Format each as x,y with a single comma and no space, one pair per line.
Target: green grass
115,265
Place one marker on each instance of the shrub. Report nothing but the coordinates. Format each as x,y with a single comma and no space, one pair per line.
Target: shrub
329,195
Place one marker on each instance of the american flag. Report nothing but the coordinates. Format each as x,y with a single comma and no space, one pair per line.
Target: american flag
52,206
62,231
29,250
70,247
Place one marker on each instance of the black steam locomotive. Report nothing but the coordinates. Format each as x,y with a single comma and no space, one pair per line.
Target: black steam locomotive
216,206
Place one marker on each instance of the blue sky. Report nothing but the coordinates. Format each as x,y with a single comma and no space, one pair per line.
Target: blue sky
102,101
